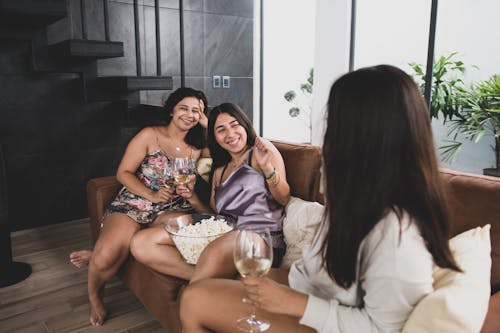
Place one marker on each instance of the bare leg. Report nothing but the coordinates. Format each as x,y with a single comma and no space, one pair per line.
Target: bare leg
80,258
216,261
109,253
214,305
154,248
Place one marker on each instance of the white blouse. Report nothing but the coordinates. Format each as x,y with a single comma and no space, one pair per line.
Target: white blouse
394,273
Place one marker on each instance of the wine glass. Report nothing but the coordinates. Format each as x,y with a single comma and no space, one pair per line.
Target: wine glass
184,168
253,256
166,175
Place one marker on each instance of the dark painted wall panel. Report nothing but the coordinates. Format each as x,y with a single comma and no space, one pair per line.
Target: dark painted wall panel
54,140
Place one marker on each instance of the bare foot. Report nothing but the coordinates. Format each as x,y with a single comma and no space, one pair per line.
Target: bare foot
80,258
97,311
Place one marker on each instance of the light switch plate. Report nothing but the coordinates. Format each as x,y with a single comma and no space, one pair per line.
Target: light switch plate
226,81
216,81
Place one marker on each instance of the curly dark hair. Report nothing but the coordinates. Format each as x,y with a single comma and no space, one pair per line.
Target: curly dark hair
196,135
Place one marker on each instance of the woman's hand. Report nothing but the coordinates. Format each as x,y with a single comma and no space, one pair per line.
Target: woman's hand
263,154
186,190
203,117
271,296
162,195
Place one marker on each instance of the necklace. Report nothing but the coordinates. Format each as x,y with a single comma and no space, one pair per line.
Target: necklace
237,162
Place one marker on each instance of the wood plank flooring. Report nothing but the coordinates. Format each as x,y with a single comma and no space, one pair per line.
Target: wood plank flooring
54,297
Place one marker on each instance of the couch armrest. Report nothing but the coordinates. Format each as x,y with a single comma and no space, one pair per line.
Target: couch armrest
100,192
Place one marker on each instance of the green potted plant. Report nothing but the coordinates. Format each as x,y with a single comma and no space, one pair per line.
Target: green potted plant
299,107
478,115
447,84
471,111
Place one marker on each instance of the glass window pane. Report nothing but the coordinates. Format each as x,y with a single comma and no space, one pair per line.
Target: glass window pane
288,58
391,32
469,28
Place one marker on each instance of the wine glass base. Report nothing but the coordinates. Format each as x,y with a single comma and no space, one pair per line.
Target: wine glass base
252,325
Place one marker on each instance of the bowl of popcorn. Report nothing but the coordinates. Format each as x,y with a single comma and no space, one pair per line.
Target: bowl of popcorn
193,232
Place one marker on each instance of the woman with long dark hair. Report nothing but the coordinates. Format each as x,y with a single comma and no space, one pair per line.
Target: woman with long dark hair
385,223
248,184
143,201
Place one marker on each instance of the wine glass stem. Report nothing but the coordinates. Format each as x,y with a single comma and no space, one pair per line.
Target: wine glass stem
253,314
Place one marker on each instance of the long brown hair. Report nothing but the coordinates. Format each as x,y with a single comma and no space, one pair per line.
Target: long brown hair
379,153
219,155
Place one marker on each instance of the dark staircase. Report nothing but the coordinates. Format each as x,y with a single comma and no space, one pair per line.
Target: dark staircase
84,50
27,19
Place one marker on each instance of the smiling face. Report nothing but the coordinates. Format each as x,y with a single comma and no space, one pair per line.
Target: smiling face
229,134
186,113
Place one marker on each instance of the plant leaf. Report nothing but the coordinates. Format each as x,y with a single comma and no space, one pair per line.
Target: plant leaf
294,112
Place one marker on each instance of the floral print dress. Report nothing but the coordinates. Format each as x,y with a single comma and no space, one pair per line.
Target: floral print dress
150,173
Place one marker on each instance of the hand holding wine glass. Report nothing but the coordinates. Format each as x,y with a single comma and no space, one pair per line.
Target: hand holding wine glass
184,169
253,256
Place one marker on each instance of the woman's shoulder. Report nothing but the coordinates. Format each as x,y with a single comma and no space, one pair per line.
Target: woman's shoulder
396,244
217,174
147,133
394,224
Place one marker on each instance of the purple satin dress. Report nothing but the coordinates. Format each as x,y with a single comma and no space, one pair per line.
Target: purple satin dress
245,197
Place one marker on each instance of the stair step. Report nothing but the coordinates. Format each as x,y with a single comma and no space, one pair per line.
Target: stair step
134,83
114,88
31,13
145,115
84,50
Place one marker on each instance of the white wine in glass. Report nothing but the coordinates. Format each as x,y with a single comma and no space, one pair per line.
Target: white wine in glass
184,168
253,256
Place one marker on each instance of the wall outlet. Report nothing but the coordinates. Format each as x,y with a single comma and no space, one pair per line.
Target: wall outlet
216,81
226,81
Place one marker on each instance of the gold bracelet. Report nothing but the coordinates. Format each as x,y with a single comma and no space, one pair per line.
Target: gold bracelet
273,179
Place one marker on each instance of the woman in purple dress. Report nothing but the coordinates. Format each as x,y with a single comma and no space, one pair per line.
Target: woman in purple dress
248,183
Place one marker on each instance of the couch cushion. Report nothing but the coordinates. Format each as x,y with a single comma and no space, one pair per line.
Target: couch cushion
300,224
303,163
460,300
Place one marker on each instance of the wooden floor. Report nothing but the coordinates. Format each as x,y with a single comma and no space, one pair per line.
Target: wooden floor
54,297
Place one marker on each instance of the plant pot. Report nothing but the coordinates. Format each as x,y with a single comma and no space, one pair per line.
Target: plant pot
491,172
495,172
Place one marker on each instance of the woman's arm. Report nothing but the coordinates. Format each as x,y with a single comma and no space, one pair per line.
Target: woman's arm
395,274
187,191
131,160
270,162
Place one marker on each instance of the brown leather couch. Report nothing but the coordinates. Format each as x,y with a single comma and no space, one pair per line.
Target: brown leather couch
475,201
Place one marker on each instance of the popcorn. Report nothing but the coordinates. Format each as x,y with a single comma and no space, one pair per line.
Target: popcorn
192,239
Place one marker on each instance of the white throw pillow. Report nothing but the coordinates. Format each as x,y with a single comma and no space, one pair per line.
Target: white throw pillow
302,219
459,301
203,166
